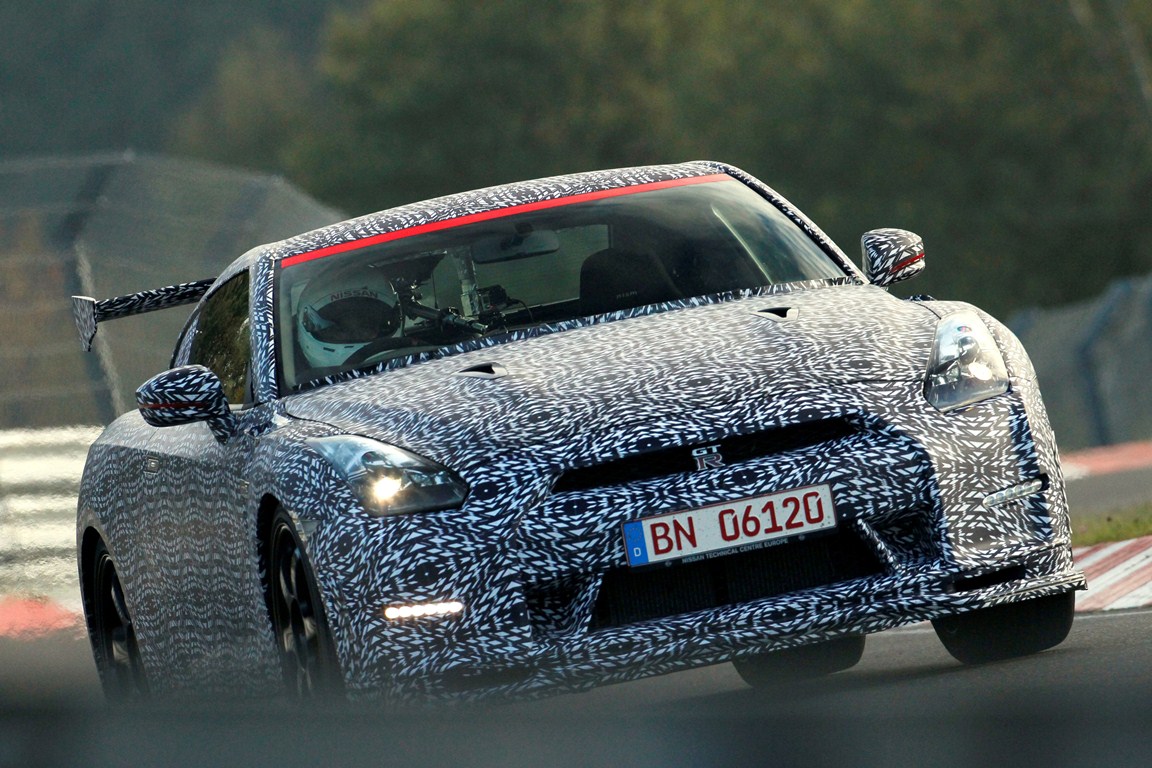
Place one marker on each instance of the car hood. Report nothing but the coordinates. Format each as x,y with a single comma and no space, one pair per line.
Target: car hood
570,395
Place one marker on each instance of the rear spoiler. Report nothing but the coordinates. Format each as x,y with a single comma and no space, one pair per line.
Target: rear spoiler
87,312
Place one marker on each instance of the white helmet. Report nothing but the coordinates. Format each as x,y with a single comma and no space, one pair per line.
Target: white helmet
340,312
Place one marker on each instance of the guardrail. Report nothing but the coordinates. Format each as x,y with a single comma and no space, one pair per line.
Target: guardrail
1094,361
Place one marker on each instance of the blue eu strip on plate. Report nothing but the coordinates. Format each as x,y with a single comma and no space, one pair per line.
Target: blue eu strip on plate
634,543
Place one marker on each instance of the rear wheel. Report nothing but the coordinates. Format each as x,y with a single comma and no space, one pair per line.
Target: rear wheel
307,654
113,635
1007,631
803,661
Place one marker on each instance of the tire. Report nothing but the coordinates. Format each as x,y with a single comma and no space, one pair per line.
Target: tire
1007,631
112,633
307,654
801,662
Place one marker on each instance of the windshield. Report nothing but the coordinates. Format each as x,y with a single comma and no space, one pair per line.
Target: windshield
391,295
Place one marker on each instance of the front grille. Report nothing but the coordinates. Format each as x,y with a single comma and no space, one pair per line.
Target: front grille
735,449
629,595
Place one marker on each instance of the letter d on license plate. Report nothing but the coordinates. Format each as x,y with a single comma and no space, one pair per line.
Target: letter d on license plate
730,525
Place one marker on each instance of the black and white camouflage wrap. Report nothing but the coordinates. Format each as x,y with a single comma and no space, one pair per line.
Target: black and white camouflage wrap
530,550
88,312
183,394
891,255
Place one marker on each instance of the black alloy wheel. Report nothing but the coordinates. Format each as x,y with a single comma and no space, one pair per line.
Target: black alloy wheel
112,633
307,655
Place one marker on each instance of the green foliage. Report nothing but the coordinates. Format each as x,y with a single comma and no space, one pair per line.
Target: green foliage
447,94
255,109
1015,137
92,75
1117,525
1005,134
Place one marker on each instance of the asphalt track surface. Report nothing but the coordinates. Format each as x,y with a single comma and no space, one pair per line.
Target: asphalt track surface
1102,480
1097,496
1085,703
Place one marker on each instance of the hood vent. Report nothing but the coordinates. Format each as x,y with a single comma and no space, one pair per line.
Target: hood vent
778,313
484,371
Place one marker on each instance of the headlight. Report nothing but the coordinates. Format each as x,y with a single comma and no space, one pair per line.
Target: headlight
966,365
389,480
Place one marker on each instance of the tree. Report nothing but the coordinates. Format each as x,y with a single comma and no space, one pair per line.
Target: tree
262,100
448,94
92,75
999,132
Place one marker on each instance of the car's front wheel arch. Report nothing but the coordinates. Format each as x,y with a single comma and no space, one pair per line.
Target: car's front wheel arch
269,506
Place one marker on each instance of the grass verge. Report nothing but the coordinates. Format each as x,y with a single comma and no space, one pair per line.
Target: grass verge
1119,525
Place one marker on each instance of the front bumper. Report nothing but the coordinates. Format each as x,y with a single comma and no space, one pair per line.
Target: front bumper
859,607
531,562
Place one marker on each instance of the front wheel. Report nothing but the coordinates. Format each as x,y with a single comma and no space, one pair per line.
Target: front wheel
112,633
1007,631
307,655
803,661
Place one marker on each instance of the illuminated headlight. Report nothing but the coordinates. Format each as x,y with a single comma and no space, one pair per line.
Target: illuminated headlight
389,480
966,365
421,610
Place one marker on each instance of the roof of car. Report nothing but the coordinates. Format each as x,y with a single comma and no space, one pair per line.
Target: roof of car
466,203
487,199
491,199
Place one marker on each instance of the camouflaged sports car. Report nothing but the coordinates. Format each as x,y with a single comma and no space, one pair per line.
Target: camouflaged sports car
562,433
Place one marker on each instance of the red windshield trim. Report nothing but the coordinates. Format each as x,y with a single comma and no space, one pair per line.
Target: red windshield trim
473,218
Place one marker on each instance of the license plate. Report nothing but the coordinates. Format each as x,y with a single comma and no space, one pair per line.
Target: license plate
747,523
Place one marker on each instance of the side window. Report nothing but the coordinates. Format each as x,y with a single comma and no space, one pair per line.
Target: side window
222,340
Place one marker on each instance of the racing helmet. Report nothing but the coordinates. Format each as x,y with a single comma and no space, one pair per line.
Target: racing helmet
341,312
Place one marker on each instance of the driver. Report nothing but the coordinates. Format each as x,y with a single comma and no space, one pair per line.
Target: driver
341,312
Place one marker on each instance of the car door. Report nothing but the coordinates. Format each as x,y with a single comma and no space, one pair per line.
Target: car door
198,503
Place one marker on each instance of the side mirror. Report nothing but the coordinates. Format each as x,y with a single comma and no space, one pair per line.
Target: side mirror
891,255
186,395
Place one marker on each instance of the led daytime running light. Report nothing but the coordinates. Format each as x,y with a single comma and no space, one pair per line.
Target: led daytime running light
422,610
1011,494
